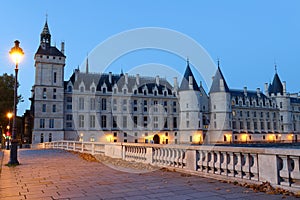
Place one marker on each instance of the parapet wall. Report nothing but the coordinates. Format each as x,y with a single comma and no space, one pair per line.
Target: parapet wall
278,166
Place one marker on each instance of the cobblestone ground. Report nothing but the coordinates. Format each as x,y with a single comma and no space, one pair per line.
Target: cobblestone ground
57,174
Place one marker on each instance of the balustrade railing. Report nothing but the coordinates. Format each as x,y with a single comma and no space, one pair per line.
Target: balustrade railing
280,167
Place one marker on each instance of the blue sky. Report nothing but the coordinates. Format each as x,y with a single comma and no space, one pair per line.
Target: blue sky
247,36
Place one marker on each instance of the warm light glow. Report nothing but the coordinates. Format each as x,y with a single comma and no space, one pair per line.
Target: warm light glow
109,138
9,115
16,53
244,137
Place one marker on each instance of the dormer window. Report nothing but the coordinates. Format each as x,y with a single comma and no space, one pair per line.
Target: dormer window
69,88
93,89
81,89
104,90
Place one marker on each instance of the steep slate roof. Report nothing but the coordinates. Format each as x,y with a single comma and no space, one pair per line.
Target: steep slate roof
52,51
215,86
251,94
185,80
119,80
276,86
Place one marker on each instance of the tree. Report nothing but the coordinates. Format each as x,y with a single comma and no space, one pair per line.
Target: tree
6,97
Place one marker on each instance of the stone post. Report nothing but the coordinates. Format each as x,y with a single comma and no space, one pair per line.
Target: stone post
191,162
267,168
149,155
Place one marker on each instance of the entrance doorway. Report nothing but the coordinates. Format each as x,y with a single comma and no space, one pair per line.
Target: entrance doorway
156,139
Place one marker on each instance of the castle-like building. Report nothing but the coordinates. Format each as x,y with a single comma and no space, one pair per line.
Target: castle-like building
109,107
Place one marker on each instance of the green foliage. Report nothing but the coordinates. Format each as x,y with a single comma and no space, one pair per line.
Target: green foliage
6,97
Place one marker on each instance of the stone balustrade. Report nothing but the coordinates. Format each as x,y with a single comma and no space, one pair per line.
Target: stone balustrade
280,167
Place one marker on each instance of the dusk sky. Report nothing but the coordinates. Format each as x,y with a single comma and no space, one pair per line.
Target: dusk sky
247,36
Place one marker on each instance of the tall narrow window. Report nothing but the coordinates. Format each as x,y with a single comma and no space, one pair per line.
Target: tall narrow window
103,121
103,105
174,122
81,103
124,104
92,121
50,137
44,93
81,121
124,121
155,122
51,123
44,108
92,104
54,93
42,123
115,119
135,121
53,108
42,138
145,122
115,105
54,77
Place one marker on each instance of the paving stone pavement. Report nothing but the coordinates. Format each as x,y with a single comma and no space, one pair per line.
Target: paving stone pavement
57,174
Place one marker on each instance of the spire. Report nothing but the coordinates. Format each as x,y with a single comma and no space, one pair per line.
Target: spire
87,65
219,84
276,86
188,78
45,36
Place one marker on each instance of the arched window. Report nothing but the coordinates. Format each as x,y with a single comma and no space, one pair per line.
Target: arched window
50,137
42,138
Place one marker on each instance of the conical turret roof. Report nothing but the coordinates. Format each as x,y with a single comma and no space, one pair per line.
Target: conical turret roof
185,81
215,86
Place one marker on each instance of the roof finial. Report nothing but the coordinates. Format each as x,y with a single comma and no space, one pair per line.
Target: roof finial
275,67
218,62
46,16
121,72
188,61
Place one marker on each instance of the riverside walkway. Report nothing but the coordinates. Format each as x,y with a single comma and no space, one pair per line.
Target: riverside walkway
57,174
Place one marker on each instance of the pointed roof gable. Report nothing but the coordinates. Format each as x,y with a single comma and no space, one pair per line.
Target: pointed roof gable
185,81
276,86
215,86
45,29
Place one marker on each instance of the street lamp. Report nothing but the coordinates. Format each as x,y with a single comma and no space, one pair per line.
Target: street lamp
9,116
16,53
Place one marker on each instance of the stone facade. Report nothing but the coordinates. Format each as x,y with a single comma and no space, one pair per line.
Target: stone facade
111,107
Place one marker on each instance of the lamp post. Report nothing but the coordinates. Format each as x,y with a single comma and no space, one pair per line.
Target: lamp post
16,54
9,116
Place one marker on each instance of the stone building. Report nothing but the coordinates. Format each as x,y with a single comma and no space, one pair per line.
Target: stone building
107,107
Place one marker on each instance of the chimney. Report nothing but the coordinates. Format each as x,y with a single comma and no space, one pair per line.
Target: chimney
137,79
62,49
267,89
284,87
110,77
245,91
126,78
175,82
157,80
258,91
